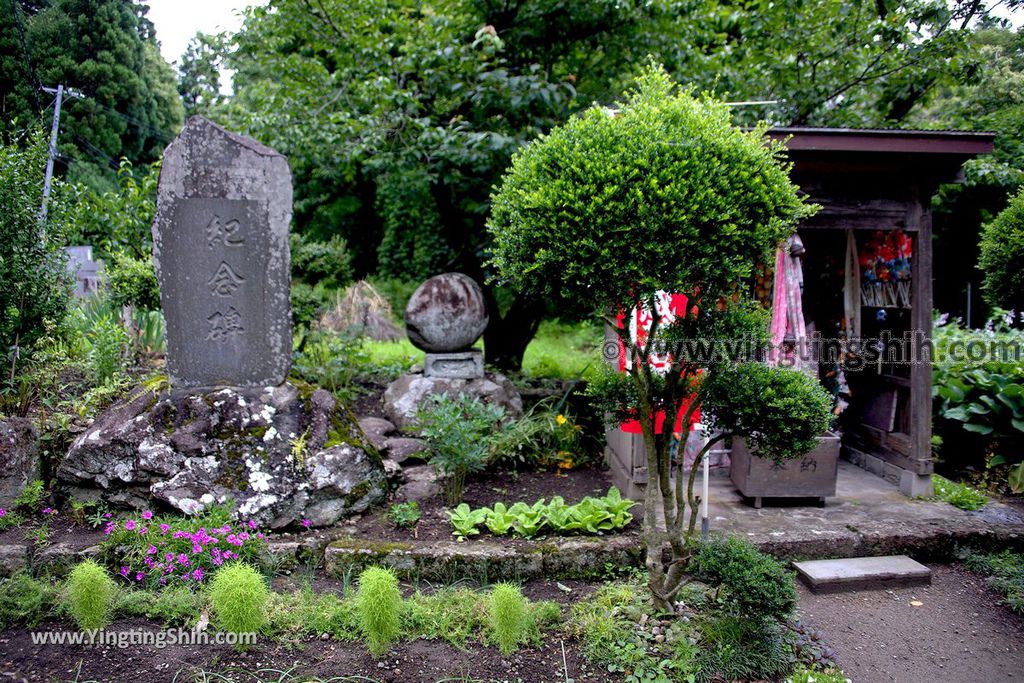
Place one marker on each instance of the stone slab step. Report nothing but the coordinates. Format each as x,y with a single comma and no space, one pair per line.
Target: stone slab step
858,573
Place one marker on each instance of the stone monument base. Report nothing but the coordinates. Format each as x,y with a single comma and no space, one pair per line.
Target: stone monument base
457,365
404,397
278,455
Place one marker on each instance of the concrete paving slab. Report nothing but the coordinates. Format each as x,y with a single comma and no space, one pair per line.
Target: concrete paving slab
867,516
855,573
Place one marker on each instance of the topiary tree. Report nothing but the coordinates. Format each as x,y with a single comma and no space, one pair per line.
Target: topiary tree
1002,256
666,194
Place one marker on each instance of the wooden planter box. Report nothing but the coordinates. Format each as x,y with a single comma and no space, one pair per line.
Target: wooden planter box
810,476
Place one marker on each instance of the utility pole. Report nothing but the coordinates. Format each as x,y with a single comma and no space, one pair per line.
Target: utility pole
52,152
59,92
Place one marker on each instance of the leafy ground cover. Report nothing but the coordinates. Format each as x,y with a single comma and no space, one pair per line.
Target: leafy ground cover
1005,572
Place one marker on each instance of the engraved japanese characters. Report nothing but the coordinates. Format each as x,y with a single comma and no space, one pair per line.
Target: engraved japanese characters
220,245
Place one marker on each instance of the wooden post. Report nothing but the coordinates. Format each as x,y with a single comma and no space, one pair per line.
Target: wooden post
918,481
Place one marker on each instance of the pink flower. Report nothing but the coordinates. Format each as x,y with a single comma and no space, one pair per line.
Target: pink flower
164,528
151,550
139,576
147,515
124,571
306,523
109,528
252,523
107,515
3,512
48,511
130,525
197,574
183,560
169,557
143,530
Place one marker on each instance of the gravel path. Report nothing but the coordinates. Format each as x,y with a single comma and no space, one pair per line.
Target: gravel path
954,631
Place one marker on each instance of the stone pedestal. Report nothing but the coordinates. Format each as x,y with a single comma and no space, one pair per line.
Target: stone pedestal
459,365
407,394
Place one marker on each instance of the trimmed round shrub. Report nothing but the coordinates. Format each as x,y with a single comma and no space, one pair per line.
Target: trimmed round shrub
779,411
756,585
238,598
509,616
90,592
666,193
379,604
1002,256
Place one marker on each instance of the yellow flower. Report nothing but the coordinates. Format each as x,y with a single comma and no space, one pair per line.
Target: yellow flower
560,420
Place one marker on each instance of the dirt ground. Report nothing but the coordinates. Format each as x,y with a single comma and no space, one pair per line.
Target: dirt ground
959,633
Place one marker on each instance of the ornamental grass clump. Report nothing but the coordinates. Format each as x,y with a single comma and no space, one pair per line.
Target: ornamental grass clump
509,617
238,598
89,593
379,604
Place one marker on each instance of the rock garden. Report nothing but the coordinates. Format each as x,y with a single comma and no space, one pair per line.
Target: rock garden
349,386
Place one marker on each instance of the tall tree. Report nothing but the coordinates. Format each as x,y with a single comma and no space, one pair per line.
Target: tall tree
105,50
199,73
400,115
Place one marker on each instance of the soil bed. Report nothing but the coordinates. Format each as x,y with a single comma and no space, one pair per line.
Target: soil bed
417,661
484,490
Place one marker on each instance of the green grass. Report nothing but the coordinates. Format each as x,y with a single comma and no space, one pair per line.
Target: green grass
1005,572
563,350
558,351
958,495
392,353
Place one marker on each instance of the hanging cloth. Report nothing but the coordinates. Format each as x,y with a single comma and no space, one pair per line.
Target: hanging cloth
851,288
787,304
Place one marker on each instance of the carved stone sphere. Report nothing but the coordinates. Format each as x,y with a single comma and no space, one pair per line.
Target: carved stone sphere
446,313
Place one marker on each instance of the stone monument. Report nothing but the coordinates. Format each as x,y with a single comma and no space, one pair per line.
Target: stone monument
444,317
220,246
228,429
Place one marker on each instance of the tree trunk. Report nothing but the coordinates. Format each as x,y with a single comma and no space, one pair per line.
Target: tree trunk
507,336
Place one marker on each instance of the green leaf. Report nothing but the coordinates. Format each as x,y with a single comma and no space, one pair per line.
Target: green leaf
1016,478
978,428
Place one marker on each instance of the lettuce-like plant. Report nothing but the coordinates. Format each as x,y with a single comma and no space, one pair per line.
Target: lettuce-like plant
465,520
590,516
529,519
499,519
558,513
